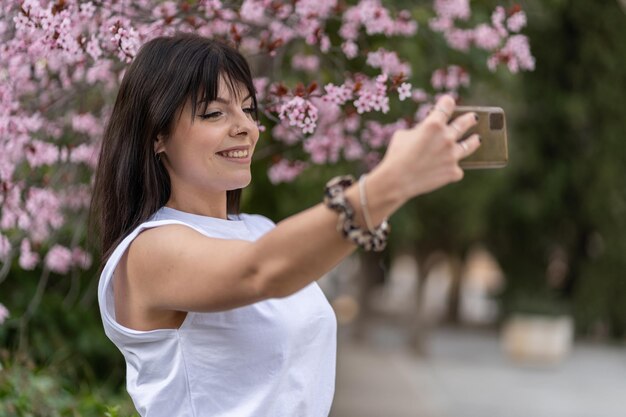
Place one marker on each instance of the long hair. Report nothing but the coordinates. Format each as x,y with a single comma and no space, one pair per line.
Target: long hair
130,182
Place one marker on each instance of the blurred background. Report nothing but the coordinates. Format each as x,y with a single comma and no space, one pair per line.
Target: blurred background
502,295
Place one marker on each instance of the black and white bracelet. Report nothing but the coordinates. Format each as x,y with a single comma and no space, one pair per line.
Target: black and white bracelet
335,199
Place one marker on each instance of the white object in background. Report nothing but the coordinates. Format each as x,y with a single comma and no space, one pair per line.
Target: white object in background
536,339
482,279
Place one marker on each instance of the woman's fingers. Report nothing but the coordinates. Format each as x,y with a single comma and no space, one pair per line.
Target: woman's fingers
426,157
442,111
467,147
463,123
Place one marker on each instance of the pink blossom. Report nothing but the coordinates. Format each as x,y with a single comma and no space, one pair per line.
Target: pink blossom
283,32
283,11
453,9
211,7
329,113
405,25
459,39
40,153
350,26
486,37
286,134
326,145
373,96
309,63
351,123
260,85
353,150
11,206
28,259
81,258
388,62
337,94
440,24
419,95
325,44
4,313
93,48
87,10
377,134
76,197
301,113
375,19
59,259
85,153
404,91
101,71
515,54
520,57
497,20
517,21
87,123
450,78
350,49
285,171
253,11
317,8
44,208
126,38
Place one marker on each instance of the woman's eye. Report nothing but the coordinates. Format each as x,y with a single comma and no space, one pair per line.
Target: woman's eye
211,115
250,110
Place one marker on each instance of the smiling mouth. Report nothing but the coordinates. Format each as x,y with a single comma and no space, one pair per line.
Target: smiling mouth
238,154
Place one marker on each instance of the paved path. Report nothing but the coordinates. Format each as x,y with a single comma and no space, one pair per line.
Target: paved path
466,375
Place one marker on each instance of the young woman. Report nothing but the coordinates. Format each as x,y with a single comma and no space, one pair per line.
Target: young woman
217,313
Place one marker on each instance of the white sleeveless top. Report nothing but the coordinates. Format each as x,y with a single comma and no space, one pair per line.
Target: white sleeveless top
272,358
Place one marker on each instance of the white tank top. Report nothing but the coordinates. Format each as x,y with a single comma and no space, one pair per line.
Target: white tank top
272,358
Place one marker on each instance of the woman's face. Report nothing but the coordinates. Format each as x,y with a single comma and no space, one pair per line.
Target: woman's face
212,152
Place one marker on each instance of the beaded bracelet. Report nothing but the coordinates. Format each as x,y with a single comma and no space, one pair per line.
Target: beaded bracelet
335,199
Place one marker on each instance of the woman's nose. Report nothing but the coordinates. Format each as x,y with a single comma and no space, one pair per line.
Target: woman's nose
243,125
238,130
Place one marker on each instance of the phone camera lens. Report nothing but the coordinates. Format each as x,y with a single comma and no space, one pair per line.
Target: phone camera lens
496,121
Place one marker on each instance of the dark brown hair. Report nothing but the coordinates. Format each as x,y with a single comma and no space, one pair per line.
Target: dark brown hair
130,182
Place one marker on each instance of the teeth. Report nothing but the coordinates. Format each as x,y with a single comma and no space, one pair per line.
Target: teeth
235,154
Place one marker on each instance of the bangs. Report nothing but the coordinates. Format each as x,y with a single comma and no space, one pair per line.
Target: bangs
221,64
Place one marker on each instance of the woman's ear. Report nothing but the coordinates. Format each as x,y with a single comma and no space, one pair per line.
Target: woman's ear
159,144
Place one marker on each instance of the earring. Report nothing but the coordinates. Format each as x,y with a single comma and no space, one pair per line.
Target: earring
158,156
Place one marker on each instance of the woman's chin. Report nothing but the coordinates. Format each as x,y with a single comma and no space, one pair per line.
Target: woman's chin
242,182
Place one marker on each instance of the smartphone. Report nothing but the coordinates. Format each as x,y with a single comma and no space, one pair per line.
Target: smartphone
493,151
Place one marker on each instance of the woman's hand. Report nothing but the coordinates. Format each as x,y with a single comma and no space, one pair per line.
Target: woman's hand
426,157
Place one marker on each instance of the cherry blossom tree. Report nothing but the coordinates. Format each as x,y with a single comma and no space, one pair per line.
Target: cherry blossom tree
61,63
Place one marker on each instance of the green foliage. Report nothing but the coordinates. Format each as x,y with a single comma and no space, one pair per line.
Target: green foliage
29,392
566,189
64,331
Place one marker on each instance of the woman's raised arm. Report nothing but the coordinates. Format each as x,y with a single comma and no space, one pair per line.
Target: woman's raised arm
174,268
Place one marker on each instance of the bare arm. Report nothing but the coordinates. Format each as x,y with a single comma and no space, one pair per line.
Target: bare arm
175,268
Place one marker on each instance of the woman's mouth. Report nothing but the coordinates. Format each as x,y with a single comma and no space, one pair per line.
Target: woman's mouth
241,156
237,154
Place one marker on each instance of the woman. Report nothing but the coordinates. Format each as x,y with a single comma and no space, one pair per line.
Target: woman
218,313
